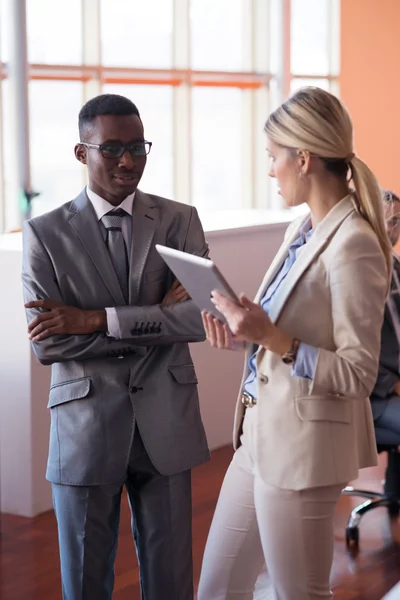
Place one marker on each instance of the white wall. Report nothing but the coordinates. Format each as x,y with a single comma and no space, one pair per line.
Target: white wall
24,419
243,256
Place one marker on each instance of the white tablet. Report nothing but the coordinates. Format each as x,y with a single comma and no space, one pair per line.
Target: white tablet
199,276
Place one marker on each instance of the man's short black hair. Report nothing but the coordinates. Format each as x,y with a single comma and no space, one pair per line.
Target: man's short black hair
106,104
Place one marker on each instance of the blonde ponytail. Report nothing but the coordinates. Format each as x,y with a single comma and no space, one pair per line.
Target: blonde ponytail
368,197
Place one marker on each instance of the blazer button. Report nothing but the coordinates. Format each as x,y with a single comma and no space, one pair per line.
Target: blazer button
134,389
263,379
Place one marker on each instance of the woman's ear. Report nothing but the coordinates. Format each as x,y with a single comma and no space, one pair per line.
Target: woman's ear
304,162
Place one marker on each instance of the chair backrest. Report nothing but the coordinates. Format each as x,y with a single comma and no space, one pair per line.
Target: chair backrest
386,448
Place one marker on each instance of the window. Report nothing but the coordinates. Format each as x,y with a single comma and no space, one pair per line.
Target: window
217,148
56,174
309,39
217,36
204,74
54,32
155,106
314,44
298,82
135,33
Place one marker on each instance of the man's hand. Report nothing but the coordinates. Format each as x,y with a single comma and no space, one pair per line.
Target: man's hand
175,294
62,319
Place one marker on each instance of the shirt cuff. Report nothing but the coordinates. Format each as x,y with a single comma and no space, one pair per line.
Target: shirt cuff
306,362
113,328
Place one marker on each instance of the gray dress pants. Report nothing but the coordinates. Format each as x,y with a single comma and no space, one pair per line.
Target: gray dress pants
88,523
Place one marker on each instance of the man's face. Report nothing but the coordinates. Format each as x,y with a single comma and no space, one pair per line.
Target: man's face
112,178
392,219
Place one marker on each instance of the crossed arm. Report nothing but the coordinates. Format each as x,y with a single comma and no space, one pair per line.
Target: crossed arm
65,332
60,318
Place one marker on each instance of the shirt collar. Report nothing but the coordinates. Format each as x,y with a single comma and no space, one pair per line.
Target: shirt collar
306,230
102,207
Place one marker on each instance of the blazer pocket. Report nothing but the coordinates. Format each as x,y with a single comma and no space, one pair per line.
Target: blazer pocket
155,276
183,373
69,390
321,408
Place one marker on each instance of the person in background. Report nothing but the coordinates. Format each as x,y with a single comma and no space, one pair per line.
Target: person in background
106,313
385,397
303,425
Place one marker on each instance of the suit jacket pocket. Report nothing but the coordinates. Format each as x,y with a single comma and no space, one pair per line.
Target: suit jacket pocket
324,408
183,373
69,390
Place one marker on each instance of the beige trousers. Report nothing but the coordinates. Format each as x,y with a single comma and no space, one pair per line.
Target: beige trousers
267,543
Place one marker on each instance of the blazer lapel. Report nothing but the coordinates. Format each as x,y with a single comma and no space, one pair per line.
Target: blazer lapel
323,232
84,222
278,260
144,223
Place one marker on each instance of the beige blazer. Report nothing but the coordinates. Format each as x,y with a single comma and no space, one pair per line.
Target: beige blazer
321,432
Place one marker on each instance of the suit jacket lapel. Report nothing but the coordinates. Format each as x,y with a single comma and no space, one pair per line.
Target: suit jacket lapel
84,221
323,232
144,223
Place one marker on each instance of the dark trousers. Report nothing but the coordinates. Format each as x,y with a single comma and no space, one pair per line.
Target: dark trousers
387,431
387,425
88,523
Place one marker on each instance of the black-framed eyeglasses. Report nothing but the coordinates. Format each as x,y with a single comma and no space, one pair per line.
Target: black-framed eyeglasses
118,150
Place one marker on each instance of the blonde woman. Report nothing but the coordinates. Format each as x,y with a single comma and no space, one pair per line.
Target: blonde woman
303,425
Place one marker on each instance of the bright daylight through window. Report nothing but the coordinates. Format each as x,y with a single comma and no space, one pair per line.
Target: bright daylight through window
203,73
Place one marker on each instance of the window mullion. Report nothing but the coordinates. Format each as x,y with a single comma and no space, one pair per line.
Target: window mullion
182,150
19,160
91,45
91,48
2,194
334,43
261,104
246,152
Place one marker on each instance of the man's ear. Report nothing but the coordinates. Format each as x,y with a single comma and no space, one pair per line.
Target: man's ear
80,153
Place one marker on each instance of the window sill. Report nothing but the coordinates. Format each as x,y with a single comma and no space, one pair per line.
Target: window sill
216,223
234,221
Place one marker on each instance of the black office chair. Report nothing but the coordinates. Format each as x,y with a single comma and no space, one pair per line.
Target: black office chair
390,497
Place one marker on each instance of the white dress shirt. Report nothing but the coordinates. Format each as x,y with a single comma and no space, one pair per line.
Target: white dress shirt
102,207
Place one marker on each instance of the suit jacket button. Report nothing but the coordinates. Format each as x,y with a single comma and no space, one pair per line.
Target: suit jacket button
263,379
133,389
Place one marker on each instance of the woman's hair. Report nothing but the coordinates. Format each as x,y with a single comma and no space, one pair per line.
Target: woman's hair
315,120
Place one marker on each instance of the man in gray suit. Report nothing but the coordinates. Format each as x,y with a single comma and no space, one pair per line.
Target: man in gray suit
105,312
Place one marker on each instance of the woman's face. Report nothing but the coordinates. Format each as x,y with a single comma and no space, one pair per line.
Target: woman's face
285,167
392,219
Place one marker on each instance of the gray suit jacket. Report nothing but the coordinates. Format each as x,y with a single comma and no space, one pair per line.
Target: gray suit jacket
102,386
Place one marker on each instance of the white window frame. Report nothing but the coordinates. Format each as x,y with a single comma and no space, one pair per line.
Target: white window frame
256,83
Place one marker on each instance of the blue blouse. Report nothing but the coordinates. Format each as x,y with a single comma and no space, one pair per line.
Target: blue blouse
306,355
